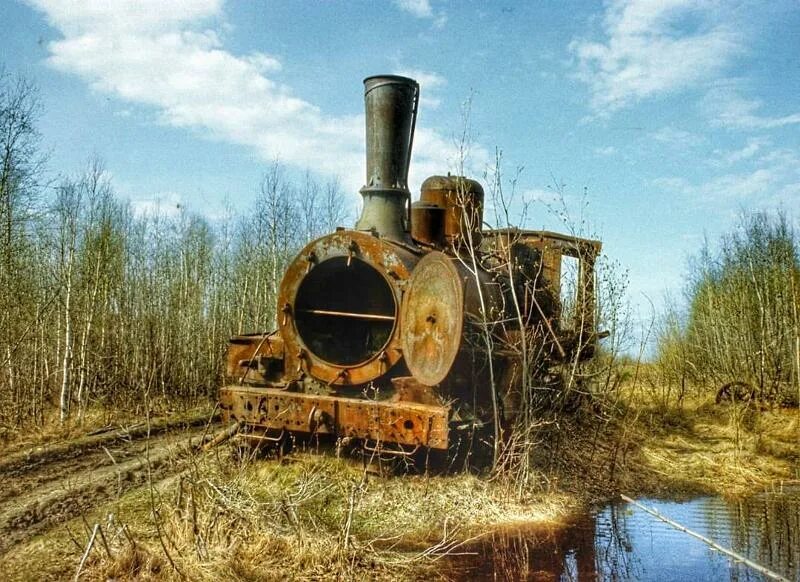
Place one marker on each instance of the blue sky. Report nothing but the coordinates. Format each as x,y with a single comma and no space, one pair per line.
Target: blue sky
672,116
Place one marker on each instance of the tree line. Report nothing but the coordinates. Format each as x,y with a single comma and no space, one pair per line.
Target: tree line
101,305
742,320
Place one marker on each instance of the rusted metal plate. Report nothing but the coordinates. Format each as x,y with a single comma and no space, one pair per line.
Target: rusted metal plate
427,224
409,389
462,200
338,308
405,423
444,304
569,245
255,358
433,318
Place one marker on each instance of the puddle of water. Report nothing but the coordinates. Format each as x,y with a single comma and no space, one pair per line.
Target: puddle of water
622,542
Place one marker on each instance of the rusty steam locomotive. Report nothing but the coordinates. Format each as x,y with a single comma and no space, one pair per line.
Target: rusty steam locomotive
404,330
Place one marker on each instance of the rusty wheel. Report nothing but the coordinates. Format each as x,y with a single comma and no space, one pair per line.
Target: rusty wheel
737,391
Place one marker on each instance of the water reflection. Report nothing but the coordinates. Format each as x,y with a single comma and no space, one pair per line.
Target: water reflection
621,542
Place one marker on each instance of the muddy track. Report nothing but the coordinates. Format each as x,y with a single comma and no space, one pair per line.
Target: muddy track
27,460
63,481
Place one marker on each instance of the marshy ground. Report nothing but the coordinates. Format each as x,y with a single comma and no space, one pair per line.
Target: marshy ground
162,510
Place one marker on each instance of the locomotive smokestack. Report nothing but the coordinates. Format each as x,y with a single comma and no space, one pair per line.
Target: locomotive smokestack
391,114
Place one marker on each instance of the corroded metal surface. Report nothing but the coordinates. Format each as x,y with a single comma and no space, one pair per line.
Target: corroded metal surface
427,224
409,389
405,423
433,318
444,305
462,200
255,358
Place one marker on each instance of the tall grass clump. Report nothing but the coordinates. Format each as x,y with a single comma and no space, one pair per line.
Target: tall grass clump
309,518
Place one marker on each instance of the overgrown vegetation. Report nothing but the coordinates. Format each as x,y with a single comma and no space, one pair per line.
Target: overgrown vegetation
740,335
103,305
563,381
106,307
718,404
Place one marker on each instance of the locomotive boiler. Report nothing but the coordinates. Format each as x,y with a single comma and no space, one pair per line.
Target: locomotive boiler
406,329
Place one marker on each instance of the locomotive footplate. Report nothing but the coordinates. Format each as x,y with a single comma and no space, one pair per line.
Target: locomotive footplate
386,421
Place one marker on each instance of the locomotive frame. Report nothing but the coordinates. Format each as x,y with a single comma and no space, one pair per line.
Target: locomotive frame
372,341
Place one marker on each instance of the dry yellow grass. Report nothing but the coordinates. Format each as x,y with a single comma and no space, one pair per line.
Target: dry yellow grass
312,518
729,450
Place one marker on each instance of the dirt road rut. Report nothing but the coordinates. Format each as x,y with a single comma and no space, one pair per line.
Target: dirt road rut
49,485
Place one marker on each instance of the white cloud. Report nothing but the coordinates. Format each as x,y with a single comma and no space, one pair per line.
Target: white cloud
422,9
264,62
772,178
541,195
475,157
605,151
740,185
672,184
725,187
790,193
75,17
167,55
429,83
166,204
648,51
753,146
676,137
727,108
426,79
418,8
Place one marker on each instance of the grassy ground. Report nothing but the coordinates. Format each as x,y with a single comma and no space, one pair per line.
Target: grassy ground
315,517
729,450
308,517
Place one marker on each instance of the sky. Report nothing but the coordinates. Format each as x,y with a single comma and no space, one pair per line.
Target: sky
658,122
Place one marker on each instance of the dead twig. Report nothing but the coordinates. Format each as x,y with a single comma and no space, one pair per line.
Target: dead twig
103,539
730,553
87,551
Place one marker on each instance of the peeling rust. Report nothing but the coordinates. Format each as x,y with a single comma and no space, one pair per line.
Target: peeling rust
348,298
405,423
